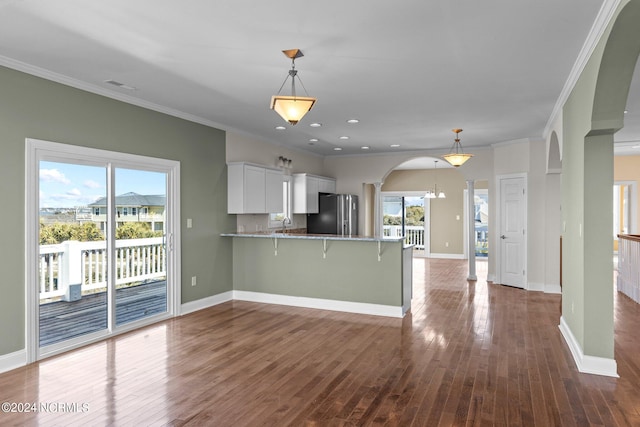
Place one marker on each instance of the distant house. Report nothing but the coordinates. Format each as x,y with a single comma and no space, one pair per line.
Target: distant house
132,207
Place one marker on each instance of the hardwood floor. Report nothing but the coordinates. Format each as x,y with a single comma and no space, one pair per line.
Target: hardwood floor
468,354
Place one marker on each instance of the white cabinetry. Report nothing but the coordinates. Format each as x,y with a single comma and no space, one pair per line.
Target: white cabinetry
326,185
253,189
306,189
273,190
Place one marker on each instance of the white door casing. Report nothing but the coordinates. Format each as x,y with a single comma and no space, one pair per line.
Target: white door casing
512,235
37,150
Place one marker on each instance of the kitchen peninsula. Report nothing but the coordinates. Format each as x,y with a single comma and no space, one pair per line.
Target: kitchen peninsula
356,274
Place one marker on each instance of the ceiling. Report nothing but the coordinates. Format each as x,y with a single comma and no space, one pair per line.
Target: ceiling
409,71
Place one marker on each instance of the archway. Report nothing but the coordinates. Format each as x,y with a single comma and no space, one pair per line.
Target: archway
554,158
587,180
420,175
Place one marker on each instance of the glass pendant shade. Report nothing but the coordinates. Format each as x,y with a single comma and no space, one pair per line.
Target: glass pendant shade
457,159
435,194
457,156
292,108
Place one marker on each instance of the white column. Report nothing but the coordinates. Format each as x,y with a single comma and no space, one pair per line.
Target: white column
472,230
377,210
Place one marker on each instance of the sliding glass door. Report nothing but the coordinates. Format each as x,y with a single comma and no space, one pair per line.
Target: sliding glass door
405,215
140,258
99,258
72,299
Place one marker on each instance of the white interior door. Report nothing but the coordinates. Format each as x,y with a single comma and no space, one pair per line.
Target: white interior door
512,237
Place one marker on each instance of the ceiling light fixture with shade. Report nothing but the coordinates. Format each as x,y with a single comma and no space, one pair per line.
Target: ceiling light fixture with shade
457,156
435,194
292,108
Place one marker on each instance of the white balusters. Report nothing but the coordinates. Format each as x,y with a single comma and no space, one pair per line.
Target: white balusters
136,260
629,266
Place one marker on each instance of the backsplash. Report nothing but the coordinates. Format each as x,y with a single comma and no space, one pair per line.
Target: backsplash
260,222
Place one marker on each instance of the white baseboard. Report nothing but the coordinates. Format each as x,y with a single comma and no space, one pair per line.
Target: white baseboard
447,256
553,288
536,287
13,360
322,304
190,307
587,364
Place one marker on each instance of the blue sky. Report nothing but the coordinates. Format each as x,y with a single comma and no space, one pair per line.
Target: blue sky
66,185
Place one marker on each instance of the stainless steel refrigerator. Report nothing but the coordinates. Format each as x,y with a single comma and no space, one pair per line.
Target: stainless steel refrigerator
338,214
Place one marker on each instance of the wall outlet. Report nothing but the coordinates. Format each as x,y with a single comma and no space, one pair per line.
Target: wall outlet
193,280
189,223
446,244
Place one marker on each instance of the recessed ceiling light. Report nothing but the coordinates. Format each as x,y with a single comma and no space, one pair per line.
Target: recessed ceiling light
315,125
313,140
344,137
364,147
626,111
352,121
280,128
337,149
394,145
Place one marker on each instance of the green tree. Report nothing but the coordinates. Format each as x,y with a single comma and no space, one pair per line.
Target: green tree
136,230
392,220
51,234
415,215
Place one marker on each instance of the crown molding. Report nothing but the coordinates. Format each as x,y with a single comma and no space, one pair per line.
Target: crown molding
512,142
601,22
98,90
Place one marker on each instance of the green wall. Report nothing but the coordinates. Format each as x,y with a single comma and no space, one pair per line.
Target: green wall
591,116
350,272
31,107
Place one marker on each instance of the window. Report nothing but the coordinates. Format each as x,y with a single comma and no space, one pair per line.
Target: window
134,211
276,220
125,211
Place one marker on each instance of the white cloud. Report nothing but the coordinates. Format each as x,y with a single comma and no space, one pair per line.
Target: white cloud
74,192
92,184
53,175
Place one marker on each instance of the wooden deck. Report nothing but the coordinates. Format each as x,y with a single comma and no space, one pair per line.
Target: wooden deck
62,320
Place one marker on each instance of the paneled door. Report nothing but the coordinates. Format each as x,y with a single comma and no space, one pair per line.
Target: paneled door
512,237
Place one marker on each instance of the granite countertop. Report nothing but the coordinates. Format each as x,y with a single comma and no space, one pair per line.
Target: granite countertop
304,236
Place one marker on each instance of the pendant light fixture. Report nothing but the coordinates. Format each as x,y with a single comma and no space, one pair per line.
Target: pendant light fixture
292,108
457,156
433,194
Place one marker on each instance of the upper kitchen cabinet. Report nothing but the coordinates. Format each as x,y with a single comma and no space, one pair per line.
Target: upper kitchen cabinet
253,189
306,188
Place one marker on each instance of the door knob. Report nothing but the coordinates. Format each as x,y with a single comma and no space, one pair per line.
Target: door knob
503,237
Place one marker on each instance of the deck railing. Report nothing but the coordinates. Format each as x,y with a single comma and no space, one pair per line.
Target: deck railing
85,263
414,234
629,265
